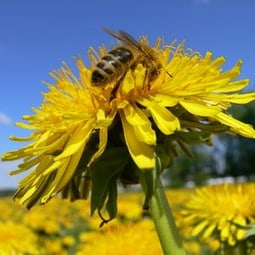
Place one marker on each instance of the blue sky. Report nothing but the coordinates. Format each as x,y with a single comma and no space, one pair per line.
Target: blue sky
36,36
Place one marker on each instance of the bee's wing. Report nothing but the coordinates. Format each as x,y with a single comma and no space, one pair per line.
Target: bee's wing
128,39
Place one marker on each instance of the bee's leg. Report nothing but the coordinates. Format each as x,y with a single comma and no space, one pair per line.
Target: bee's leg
147,78
117,84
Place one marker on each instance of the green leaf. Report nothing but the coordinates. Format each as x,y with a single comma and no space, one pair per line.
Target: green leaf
104,174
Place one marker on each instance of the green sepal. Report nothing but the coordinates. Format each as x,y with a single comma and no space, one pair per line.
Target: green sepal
111,204
104,175
250,231
165,153
148,179
193,137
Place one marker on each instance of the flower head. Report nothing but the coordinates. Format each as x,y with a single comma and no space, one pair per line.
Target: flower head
18,239
121,239
82,132
221,211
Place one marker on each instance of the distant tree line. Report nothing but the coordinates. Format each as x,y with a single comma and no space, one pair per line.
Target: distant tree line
6,192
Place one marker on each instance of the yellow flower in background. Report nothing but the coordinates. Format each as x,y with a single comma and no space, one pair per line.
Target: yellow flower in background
18,239
221,211
77,122
122,239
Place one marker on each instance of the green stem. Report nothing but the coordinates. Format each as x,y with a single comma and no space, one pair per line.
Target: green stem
164,223
161,214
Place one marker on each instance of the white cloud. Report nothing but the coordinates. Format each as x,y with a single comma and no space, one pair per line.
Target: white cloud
4,119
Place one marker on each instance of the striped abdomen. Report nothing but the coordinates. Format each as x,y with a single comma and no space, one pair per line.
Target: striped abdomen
112,66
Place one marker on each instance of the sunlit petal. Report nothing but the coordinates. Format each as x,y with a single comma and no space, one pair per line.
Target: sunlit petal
141,153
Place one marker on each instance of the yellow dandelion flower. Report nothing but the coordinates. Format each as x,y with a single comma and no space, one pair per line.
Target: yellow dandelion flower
68,241
82,131
130,206
122,239
18,239
42,221
54,247
221,211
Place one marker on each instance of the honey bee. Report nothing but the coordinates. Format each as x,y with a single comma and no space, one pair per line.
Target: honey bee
115,64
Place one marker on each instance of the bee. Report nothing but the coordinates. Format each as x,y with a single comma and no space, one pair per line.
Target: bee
115,64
